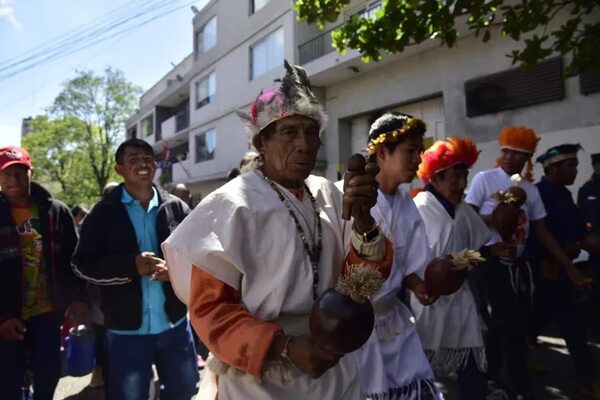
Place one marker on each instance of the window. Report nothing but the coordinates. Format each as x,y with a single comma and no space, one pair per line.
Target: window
205,145
257,5
370,9
206,38
206,90
515,88
266,54
148,125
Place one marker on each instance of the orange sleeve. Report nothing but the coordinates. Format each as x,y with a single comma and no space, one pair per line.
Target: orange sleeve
230,332
384,266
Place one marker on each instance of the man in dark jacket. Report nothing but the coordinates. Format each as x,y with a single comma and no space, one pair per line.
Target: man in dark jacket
588,201
37,284
554,296
120,251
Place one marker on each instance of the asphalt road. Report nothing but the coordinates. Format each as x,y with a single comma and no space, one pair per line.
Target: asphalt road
558,382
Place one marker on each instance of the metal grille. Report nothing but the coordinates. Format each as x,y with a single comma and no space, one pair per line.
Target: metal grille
515,88
589,82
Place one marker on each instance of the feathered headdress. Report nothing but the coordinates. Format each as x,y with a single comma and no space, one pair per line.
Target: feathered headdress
444,154
518,138
390,127
522,139
559,153
294,97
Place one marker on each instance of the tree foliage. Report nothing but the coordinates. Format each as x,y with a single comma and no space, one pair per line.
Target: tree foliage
72,147
58,161
102,104
401,23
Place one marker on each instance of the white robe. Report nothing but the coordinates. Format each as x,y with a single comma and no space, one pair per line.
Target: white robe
243,235
451,329
392,364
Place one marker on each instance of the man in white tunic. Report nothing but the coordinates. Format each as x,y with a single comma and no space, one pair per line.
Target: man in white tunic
450,328
263,247
392,364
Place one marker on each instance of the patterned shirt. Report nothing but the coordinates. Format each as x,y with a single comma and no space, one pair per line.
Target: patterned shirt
36,297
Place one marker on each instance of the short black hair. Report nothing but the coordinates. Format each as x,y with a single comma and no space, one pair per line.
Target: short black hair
391,121
135,143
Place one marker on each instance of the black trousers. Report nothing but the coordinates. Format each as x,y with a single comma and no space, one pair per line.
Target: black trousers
504,297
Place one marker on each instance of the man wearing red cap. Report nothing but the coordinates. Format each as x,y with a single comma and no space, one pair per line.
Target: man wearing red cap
37,240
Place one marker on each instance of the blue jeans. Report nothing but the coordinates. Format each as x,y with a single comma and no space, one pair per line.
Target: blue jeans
131,358
42,345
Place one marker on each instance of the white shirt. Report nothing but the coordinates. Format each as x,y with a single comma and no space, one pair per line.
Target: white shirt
486,183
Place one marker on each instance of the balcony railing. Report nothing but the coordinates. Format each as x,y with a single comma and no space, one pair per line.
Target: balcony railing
175,124
182,121
316,47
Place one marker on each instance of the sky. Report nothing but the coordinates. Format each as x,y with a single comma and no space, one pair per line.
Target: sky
144,54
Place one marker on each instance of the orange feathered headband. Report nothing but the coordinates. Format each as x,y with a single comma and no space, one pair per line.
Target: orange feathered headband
445,153
518,138
522,139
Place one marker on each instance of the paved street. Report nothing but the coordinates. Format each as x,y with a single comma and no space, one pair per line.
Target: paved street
557,383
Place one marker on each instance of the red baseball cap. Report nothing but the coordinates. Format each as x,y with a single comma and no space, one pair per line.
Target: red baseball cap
11,155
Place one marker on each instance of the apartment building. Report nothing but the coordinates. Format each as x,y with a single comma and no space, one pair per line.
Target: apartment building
470,90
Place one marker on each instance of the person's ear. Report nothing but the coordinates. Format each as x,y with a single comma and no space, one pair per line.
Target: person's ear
119,169
381,152
257,142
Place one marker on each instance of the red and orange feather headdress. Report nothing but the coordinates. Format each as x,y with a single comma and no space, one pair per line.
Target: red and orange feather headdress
445,153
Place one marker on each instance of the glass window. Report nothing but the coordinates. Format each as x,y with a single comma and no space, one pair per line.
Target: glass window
206,90
205,145
258,4
370,9
267,54
206,38
148,125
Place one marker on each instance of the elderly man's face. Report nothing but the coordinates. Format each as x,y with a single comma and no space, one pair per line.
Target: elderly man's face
290,152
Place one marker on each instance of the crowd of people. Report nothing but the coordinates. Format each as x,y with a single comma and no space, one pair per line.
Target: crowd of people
240,273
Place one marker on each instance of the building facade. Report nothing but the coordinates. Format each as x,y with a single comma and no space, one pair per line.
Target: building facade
470,90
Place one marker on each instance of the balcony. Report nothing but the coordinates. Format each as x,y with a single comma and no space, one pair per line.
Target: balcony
316,47
175,124
181,171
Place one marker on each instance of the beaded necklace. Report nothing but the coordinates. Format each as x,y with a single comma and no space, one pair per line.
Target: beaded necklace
314,253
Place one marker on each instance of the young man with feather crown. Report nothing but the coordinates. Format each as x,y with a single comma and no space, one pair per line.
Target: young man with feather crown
450,328
392,363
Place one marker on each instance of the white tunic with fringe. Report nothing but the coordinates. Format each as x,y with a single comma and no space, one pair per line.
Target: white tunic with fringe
243,235
451,329
392,364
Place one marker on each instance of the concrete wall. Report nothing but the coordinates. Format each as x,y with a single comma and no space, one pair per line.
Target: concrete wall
444,71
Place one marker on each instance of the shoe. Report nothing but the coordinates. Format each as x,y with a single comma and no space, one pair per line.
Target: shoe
497,394
97,380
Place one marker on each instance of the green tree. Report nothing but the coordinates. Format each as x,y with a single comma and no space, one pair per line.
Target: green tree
59,162
102,105
401,23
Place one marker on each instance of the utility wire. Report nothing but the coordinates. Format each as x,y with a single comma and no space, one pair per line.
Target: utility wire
156,9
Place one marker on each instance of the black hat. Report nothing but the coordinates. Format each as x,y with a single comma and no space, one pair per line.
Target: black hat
559,153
